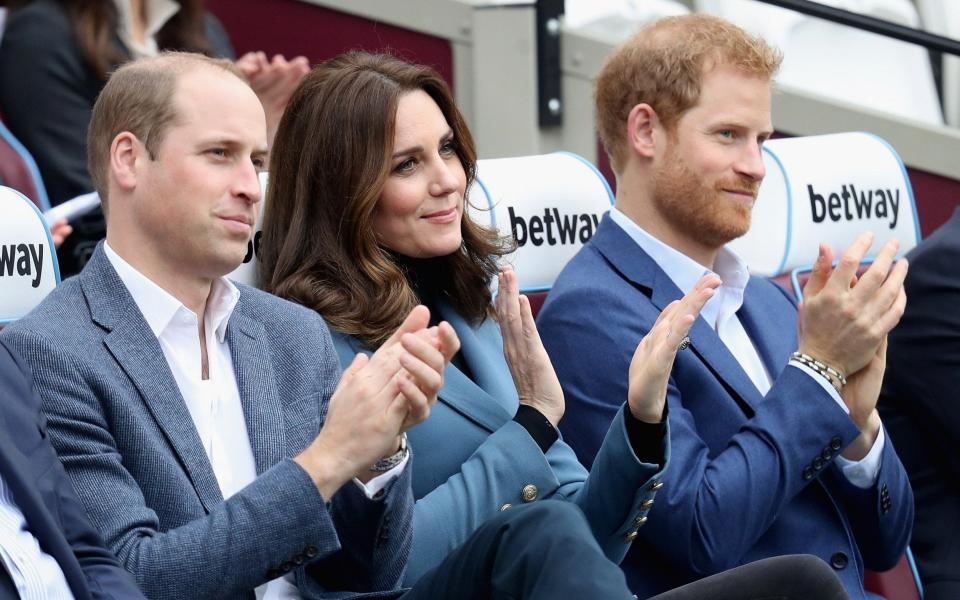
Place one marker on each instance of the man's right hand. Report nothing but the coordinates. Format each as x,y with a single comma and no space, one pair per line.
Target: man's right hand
377,399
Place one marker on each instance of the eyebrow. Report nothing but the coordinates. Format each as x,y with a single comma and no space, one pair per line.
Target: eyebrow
416,149
259,151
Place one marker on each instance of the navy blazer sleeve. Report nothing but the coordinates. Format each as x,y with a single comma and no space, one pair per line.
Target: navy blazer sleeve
25,427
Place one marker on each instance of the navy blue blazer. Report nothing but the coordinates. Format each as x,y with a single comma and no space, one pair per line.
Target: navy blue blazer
751,476
471,458
29,467
129,445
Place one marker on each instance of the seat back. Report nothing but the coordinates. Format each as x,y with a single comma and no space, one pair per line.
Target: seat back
550,204
827,188
28,260
19,171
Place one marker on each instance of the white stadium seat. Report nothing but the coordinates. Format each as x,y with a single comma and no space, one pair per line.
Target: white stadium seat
28,260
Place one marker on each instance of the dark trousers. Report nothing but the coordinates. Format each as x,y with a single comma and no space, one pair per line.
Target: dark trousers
543,550
546,550
795,577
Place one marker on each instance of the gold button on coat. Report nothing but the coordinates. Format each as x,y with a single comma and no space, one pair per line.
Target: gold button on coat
506,506
529,492
640,521
656,486
631,536
646,504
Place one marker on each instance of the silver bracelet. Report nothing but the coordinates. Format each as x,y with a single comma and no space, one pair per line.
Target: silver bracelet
831,375
385,464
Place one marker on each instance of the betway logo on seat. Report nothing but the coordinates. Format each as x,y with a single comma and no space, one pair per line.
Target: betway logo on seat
24,260
553,228
851,204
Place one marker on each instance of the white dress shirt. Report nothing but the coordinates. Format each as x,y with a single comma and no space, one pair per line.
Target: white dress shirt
214,403
36,574
720,313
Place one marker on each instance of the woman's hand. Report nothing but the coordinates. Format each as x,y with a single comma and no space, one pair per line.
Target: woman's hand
653,359
273,81
536,381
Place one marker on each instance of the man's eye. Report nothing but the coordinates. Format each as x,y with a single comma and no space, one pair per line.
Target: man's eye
726,134
218,152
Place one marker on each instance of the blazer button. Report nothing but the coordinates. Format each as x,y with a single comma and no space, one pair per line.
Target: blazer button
836,443
656,487
646,504
827,453
640,521
839,561
529,492
631,536
287,566
506,506
808,473
311,551
298,560
817,463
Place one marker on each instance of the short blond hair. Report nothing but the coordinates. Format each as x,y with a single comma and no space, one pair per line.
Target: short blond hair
663,65
138,98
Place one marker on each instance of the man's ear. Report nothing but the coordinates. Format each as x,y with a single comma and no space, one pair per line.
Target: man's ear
126,154
642,124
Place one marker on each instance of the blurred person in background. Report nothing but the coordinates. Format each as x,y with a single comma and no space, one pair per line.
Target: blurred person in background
55,56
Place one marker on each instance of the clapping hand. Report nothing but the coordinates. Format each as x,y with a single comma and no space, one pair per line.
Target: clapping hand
653,360
273,81
533,374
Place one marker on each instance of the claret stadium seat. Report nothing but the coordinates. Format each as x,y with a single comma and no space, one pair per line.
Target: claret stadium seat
19,171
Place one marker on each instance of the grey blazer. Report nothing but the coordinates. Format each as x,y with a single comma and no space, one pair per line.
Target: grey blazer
126,438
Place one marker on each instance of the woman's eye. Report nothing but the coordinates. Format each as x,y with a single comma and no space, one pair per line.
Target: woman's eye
259,164
405,166
448,147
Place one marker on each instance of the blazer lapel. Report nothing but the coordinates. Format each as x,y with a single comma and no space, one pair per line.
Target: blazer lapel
137,352
636,266
766,332
490,399
21,482
262,408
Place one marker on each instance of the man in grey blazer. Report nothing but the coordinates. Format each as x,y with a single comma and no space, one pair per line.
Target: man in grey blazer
187,410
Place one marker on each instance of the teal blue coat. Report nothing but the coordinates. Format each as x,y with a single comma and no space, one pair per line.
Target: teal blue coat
470,458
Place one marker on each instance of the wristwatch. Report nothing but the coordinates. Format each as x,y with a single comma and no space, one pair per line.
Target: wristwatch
385,464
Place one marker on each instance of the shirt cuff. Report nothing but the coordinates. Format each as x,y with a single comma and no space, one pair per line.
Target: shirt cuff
863,473
646,439
538,426
375,485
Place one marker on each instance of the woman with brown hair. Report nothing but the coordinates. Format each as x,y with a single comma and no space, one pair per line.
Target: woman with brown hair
54,59
366,218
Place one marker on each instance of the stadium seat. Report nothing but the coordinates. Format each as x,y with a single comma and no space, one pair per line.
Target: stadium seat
827,188
550,204
842,62
28,261
19,171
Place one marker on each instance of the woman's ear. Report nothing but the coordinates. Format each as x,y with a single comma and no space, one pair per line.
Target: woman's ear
642,124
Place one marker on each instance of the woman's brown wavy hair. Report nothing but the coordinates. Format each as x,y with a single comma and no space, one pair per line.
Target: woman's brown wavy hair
329,163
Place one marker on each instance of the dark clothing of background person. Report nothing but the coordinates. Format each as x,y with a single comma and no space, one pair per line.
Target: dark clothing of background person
921,407
55,517
47,90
